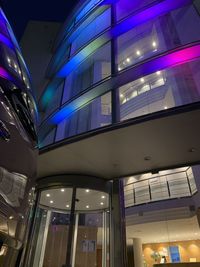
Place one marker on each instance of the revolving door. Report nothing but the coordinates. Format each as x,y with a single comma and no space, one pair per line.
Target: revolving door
72,226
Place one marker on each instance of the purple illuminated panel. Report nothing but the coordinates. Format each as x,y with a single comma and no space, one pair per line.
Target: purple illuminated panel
170,60
157,64
4,74
148,14
157,10
6,41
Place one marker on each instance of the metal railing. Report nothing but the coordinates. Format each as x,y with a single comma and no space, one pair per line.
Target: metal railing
161,187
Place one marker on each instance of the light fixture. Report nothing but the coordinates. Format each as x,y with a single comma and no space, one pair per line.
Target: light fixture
87,206
87,190
48,195
128,59
121,95
119,68
62,190
142,80
165,107
11,217
101,203
8,60
51,201
103,197
154,44
67,206
158,72
138,52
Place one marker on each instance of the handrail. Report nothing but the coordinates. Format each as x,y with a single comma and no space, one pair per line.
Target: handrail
164,188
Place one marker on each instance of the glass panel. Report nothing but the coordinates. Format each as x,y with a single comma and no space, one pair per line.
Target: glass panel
90,236
87,8
177,28
167,184
49,244
92,233
94,115
161,90
94,69
94,27
58,59
55,101
49,139
126,7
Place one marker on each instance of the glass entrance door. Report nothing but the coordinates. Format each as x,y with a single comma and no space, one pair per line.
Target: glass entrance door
54,224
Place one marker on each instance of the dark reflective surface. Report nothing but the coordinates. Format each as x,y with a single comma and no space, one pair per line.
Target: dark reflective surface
18,147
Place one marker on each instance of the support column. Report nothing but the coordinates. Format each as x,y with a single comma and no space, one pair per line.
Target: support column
118,226
138,253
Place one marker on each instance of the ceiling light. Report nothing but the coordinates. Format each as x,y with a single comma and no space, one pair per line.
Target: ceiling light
119,68
128,59
87,207
62,190
121,95
87,190
67,206
142,80
103,197
11,217
51,201
8,59
158,72
48,195
154,44
101,203
165,107
138,52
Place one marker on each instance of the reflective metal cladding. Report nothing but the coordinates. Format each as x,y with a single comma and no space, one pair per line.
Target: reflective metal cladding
18,146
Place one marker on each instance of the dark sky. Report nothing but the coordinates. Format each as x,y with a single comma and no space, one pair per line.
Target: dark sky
19,12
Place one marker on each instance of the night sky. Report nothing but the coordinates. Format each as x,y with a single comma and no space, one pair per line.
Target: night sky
19,12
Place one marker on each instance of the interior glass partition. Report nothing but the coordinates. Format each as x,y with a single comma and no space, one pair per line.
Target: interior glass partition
71,228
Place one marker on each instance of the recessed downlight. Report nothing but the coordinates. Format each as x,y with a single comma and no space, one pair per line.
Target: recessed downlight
48,195
87,206
87,190
103,197
138,52
51,201
67,206
101,203
62,190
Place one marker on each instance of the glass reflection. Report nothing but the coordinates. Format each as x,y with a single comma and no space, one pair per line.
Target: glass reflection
160,90
177,28
94,69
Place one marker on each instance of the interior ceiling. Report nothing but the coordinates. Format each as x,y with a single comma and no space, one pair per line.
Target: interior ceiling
161,143
165,231
86,199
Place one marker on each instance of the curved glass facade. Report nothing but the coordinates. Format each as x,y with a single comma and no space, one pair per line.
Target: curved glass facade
121,60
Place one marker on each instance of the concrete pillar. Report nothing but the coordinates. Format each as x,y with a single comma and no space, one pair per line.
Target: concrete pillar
138,253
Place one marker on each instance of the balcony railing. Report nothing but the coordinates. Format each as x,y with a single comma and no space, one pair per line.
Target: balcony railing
174,185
